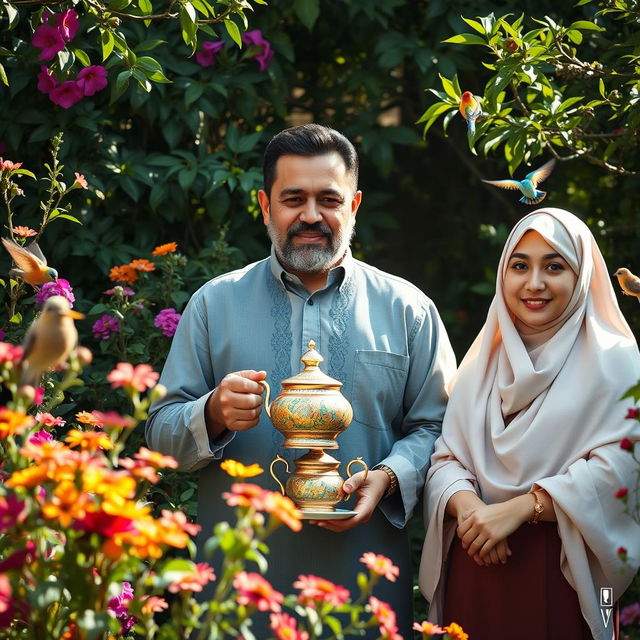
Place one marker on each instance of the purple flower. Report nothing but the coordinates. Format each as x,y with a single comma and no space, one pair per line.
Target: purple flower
630,614
60,287
2,334
167,320
119,607
261,47
104,327
67,23
207,57
46,80
120,291
40,437
67,94
92,79
49,39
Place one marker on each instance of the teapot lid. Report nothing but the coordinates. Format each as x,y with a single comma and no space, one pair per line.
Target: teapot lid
311,375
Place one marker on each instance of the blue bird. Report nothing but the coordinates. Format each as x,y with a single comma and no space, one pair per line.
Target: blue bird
528,186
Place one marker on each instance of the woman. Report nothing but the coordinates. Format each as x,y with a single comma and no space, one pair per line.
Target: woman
523,522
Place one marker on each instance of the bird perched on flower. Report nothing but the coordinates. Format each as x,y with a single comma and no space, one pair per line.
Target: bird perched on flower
31,263
629,283
49,340
529,186
470,109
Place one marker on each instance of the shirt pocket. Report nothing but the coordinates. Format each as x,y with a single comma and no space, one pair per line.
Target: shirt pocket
379,379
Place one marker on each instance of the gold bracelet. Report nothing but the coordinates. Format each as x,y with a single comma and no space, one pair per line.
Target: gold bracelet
393,479
538,508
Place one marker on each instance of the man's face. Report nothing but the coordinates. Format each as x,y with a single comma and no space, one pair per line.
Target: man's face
311,213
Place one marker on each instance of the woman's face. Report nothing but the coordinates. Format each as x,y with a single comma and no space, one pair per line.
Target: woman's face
538,283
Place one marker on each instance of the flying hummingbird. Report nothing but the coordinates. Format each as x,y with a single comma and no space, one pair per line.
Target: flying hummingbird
528,187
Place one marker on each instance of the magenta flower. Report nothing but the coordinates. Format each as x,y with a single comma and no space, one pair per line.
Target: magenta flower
120,291
67,94
12,511
167,320
49,39
105,326
119,606
630,614
46,80
60,287
261,47
67,23
92,79
207,57
41,437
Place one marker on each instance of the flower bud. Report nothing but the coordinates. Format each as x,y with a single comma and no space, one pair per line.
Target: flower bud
85,356
510,45
158,392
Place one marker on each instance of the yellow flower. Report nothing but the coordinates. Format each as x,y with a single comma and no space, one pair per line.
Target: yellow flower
163,249
29,477
90,440
239,470
85,417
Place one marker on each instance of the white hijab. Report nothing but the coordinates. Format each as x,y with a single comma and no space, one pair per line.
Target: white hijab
562,394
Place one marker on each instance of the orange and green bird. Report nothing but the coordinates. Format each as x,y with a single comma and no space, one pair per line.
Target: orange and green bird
629,283
470,109
31,263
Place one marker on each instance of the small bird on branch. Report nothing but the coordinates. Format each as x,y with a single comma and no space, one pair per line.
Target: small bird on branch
629,283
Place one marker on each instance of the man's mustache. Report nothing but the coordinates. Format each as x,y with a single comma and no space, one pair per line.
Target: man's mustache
302,227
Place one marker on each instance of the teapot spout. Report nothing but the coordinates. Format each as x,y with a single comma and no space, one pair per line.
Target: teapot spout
273,475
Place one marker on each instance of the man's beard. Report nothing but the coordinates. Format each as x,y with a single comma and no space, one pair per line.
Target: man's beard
310,258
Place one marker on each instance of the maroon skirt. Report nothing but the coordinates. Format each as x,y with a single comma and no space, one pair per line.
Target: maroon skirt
527,598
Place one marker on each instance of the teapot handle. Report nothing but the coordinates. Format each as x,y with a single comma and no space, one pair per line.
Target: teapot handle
265,385
273,475
360,461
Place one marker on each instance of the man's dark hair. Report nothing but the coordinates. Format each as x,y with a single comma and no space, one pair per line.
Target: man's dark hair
307,140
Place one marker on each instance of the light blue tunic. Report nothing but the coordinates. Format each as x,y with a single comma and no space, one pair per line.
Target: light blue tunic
379,335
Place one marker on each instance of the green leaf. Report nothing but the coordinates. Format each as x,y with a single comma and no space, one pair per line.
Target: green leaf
601,88
145,6
188,24
12,14
465,38
23,172
148,45
16,318
574,36
146,63
585,25
474,24
121,84
83,57
568,103
434,111
106,41
447,85
233,31
67,216
307,11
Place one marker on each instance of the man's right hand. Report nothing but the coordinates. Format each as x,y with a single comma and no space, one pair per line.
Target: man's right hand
235,403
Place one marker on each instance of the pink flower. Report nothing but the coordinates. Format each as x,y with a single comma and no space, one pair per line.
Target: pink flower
42,436
380,565
314,589
17,559
49,420
286,627
46,80
140,378
427,629
12,511
39,396
195,580
167,320
207,57
49,39
59,287
81,182
67,24
263,51
119,606
113,420
385,615
10,352
92,79
67,94
254,590
630,614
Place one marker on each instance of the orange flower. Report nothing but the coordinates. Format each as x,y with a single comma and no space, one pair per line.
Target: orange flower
385,615
152,604
239,470
314,589
66,505
29,477
90,440
88,418
155,459
456,632
254,590
14,422
142,264
178,520
53,451
123,273
283,509
163,249
380,565
427,629
24,232
201,575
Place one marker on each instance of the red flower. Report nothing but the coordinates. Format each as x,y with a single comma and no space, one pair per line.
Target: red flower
254,590
140,378
17,559
314,589
632,414
105,524
285,627
12,511
622,493
380,565
626,444
622,553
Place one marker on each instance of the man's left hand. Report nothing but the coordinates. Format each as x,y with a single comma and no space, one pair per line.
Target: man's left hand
369,492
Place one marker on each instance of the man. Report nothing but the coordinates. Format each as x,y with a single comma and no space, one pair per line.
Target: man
379,335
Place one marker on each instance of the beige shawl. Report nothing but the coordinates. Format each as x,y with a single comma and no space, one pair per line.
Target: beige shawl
567,421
